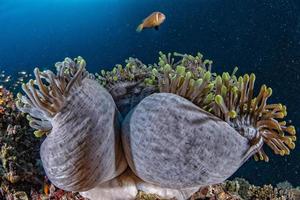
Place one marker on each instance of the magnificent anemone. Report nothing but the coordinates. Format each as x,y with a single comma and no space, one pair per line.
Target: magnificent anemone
126,84
220,126
82,148
232,99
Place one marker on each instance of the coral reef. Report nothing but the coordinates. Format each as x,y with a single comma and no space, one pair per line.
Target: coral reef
20,172
214,192
240,189
54,193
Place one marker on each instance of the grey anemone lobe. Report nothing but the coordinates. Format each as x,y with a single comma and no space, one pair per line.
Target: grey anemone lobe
171,142
82,148
127,84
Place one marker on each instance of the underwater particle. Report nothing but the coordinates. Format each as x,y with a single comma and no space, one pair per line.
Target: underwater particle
154,20
80,120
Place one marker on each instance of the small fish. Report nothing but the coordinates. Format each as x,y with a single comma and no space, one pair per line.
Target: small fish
22,72
152,21
46,189
7,79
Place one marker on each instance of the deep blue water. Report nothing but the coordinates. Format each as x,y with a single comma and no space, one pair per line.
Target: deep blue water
260,36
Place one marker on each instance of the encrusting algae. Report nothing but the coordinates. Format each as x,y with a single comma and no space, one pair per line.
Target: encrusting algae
181,80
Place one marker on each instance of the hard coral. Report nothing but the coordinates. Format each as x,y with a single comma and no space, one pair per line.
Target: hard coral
214,192
282,191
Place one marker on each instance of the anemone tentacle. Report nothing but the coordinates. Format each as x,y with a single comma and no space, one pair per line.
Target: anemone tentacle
45,96
228,97
250,115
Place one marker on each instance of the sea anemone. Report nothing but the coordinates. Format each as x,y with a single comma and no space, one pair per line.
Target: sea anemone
184,126
82,148
126,84
232,99
212,131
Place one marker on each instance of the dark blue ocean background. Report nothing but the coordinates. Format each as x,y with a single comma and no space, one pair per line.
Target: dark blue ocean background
260,36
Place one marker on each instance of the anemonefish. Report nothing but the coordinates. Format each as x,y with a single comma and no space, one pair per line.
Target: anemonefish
152,21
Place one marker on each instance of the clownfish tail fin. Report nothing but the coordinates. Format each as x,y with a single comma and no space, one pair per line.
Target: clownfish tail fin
139,28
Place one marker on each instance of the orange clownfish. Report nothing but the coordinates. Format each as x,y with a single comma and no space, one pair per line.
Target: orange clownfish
152,21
